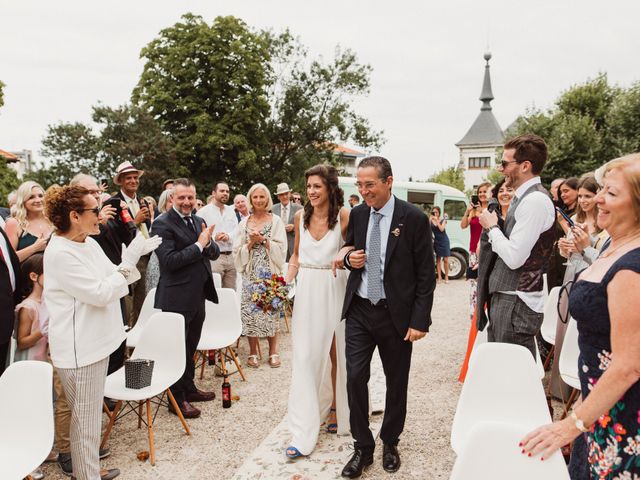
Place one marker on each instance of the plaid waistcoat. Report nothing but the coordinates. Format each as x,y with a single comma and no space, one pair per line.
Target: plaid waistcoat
527,278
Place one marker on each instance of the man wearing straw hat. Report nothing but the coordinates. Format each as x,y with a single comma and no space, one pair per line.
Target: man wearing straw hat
286,210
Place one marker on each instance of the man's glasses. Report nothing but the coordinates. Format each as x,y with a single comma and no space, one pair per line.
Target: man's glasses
95,210
504,163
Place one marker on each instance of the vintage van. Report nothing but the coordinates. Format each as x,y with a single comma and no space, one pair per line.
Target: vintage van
425,195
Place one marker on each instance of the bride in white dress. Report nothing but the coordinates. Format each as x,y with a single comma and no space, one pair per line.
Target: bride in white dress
318,385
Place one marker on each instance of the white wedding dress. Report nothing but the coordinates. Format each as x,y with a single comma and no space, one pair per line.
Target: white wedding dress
316,317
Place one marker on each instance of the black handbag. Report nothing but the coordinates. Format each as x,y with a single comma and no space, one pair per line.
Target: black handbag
138,373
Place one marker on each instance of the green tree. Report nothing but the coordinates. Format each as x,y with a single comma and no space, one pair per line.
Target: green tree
2,85
8,180
624,119
452,176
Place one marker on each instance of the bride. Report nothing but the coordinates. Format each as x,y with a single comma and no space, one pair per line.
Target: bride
318,365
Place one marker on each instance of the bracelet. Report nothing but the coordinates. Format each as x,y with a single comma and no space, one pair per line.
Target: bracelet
294,265
579,424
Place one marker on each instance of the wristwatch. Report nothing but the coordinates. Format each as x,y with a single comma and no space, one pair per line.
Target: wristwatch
578,423
494,226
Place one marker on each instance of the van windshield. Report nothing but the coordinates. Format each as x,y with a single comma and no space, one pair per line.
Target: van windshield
455,209
422,200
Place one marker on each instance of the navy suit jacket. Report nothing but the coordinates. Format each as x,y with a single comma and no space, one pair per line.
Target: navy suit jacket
185,272
8,299
409,269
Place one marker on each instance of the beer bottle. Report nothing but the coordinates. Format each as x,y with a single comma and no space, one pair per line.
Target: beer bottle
226,393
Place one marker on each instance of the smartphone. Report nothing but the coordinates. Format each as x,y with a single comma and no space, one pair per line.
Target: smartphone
104,181
115,203
475,200
566,217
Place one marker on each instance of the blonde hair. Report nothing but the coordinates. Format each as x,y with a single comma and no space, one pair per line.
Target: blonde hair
23,194
630,167
264,187
164,198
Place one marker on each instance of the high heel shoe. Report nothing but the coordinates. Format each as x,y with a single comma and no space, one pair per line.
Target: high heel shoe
332,427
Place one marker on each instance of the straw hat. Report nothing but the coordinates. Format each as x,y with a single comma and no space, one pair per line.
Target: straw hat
282,188
124,168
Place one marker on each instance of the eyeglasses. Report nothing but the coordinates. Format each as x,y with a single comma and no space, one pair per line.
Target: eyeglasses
297,199
367,185
504,163
95,210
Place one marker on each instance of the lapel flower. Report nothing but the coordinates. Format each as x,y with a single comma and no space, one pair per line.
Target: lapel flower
396,231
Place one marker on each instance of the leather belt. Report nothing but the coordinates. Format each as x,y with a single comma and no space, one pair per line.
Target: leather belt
382,303
226,253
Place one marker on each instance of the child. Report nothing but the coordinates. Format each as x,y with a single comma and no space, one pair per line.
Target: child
32,316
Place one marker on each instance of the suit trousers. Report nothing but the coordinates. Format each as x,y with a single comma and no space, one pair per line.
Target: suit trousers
4,355
369,327
512,321
193,329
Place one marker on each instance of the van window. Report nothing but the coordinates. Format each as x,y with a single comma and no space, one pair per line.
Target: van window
455,209
422,200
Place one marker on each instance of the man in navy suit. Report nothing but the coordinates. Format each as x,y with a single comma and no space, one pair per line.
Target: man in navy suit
387,305
9,294
186,282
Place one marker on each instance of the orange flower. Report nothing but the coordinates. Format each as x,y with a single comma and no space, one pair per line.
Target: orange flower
619,429
604,420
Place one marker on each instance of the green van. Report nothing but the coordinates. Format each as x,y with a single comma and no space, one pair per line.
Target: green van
425,195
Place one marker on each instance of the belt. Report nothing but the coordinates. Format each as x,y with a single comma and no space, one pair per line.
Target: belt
382,303
315,267
226,253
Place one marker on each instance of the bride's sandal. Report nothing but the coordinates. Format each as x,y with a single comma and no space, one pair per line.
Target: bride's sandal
332,427
252,361
274,360
292,452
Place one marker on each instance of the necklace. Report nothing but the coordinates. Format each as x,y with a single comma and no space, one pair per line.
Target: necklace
613,250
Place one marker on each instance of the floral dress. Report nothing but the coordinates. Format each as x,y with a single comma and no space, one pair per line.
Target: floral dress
255,322
614,440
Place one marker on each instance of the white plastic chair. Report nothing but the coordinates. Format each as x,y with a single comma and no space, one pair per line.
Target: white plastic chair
26,417
568,362
161,340
147,310
217,280
550,320
222,327
491,451
502,384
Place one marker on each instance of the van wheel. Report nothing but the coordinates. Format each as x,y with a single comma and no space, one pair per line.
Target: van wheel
457,265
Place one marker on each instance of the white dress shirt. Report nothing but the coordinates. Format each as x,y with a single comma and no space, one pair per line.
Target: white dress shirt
385,226
134,206
534,215
225,222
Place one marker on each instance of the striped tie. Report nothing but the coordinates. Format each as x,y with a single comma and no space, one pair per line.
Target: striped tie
374,283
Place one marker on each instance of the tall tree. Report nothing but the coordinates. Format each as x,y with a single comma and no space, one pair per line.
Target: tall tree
8,180
452,176
2,85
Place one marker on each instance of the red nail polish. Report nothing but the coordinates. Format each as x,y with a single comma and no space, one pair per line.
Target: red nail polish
520,444
522,451
529,453
541,459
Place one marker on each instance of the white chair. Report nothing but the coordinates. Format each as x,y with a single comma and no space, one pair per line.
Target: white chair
491,451
568,363
147,310
502,384
217,280
161,340
550,320
222,327
26,416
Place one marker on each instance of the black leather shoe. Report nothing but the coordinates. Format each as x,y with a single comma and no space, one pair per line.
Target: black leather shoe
359,461
390,458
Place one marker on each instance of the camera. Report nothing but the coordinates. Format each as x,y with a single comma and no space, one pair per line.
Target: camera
475,200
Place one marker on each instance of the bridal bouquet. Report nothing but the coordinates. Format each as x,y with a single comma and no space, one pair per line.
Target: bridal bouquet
270,292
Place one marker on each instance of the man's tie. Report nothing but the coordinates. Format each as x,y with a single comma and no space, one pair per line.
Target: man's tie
135,208
190,224
374,283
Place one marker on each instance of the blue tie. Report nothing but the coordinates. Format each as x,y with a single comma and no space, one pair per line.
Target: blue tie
374,283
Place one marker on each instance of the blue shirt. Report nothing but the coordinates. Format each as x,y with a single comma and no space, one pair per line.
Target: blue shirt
385,227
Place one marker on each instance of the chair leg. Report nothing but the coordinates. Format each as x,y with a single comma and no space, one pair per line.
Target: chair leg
549,357
106,409
112,420
572,398
204,361
223,362
178,412
152,447
140,414
235,360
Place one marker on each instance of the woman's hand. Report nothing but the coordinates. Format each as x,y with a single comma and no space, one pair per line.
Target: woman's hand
566,247
40,244
581,238
548,439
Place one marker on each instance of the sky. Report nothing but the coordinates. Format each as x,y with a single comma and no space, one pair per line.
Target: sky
58,59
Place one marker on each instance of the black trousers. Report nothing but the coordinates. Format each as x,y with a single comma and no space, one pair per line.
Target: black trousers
193,329
4,353
369,327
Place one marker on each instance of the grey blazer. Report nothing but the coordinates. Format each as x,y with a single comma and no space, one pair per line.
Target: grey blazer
293,208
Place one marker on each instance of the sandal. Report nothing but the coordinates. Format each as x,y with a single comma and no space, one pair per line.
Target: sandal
274,360
292,452
252,361
332,427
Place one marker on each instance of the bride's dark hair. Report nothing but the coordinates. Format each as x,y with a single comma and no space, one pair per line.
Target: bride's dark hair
329,176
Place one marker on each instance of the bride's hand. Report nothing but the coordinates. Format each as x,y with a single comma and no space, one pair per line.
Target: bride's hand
338,263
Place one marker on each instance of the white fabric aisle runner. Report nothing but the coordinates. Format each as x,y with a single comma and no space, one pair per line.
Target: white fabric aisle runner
268,461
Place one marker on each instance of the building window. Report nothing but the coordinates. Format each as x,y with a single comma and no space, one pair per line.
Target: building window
479,162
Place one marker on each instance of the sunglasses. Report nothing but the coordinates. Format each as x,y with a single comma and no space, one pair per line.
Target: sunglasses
504,163
95,210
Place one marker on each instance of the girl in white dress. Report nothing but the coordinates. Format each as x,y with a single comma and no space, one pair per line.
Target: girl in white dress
319,365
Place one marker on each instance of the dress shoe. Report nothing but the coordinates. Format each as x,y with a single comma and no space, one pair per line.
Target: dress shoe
390,458
359,461
200,396
106,474
188,410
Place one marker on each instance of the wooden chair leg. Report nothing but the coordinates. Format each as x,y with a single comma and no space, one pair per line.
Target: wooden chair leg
223,362
204,361
549,357
140,414
235,360
152,447
572,398
178,412
106,409
112,420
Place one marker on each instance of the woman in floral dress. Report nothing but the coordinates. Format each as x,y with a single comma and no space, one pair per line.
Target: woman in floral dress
260,247
605,305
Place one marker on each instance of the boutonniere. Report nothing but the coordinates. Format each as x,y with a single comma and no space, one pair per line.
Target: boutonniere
396,232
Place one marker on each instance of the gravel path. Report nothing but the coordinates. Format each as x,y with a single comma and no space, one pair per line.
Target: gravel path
221,439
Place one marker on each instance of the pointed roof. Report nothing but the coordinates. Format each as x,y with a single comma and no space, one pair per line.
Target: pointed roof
485,130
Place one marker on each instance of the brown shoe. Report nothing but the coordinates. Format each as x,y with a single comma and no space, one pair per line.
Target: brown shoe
188,410
200,396
106,474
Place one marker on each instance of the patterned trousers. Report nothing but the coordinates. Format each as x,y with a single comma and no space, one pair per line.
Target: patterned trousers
512,321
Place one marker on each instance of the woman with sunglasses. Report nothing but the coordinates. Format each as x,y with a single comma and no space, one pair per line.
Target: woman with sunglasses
441,243
82,293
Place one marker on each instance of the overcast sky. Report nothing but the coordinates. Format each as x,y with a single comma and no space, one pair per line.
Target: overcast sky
60,58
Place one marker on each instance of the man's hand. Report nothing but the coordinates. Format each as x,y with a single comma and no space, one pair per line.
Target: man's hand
357,259
107,213
221,237
289,227
205,237
488,219
413,335
142,216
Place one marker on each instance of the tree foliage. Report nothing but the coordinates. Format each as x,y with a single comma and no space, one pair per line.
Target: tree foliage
452,176
8,180
2,85
589,124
